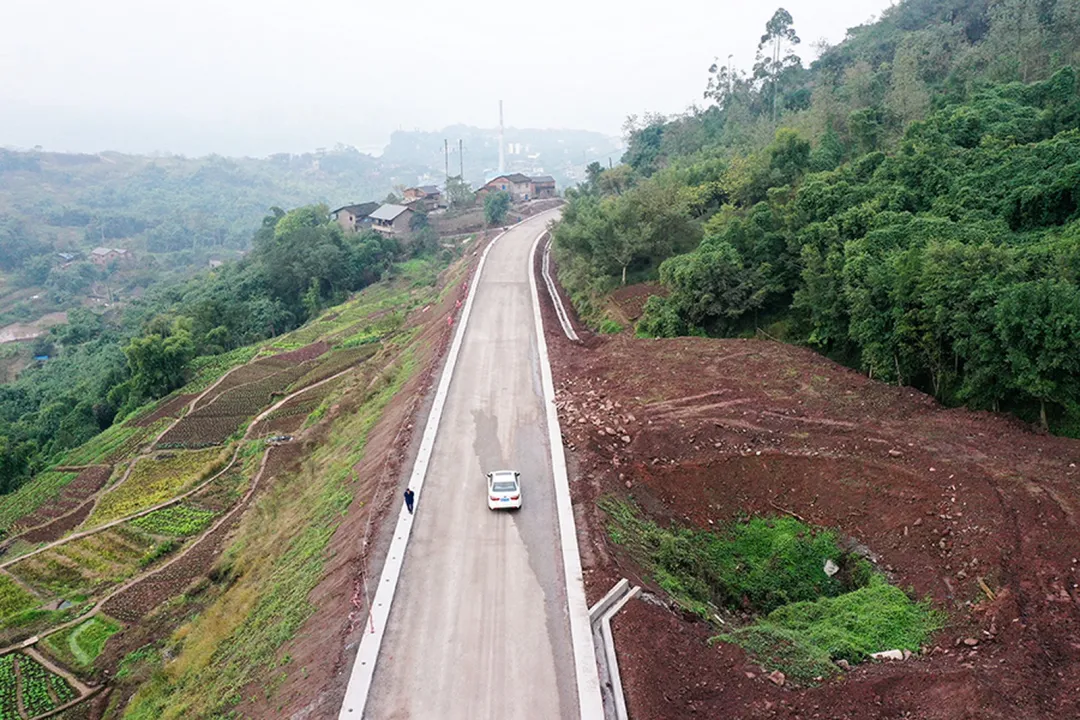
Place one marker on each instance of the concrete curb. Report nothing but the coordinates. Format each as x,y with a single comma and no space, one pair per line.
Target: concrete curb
590,702
601,606
363,668
601,614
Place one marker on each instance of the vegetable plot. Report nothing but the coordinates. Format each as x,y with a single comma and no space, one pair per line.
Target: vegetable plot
153,481
13,599
177,520
214,422
42,691
83,567
9,708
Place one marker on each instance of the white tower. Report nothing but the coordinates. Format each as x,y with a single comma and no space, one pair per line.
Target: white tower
502,144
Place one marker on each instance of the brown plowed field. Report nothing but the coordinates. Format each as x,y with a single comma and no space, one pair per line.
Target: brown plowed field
701,431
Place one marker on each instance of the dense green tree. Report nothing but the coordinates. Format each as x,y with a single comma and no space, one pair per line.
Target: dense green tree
1038,326
496,207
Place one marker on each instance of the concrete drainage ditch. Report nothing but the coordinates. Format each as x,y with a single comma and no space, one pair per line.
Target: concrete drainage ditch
600,616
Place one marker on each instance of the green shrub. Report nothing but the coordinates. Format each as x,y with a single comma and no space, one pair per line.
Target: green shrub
758,565
610,327
803,639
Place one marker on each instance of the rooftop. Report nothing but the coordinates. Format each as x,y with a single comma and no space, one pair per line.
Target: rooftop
388,212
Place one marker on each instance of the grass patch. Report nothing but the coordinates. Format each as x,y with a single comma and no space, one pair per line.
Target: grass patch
757,565
776,566
610,327
42,488
804,639
79,646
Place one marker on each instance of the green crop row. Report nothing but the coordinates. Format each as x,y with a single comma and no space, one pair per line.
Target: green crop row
180,520
37,682
9,708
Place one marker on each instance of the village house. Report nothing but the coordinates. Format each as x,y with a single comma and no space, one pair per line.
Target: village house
103,255
392,219
353,218
543,186
427,197
521,187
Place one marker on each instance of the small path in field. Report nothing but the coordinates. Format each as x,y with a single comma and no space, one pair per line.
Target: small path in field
149,573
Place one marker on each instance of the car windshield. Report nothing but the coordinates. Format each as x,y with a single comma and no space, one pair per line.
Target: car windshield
504,486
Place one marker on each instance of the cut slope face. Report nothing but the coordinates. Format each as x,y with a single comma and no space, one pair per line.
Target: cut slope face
975,512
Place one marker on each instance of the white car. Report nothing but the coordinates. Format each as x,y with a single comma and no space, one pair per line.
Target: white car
504,489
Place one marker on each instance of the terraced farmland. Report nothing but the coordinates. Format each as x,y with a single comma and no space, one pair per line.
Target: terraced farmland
223,492
71,495
44,488
334,363
154,480
213,422
83,567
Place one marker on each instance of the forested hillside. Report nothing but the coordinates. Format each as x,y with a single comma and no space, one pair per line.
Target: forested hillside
106,367
907,204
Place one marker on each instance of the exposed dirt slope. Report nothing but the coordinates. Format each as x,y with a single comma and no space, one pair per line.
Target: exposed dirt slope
702,431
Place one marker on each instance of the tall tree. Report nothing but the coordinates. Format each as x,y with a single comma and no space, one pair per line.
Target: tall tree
779,37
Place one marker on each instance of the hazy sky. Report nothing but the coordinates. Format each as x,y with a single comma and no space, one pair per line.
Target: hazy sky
262,76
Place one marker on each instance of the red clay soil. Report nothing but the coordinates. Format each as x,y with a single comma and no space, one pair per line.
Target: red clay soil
703,431
171,408
326,645
61,525
630,300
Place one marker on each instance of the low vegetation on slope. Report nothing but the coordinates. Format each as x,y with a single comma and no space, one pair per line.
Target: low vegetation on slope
801,602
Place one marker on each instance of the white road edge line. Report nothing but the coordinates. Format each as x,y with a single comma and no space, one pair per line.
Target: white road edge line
590,702
363,669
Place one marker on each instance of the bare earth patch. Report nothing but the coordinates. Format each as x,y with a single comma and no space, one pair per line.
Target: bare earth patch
702,431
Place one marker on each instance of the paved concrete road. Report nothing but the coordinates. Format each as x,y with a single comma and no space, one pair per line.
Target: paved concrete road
479,628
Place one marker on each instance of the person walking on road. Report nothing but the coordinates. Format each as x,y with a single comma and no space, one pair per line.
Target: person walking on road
409,499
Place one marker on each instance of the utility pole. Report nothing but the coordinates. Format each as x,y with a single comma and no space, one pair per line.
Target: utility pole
461,159
729,78
502,157
609,162
446,155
